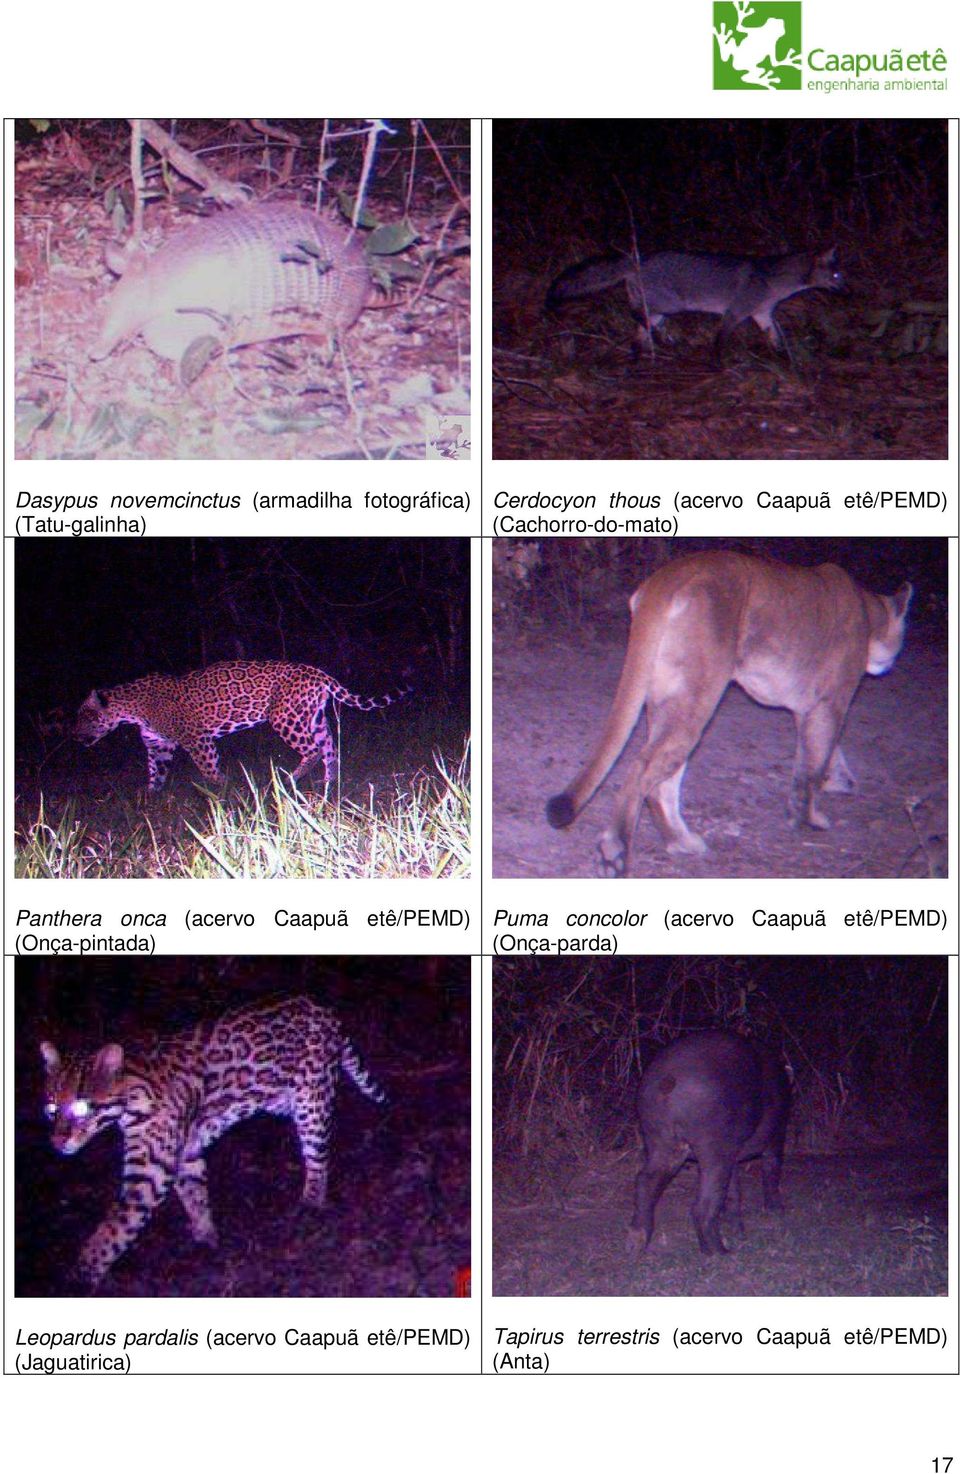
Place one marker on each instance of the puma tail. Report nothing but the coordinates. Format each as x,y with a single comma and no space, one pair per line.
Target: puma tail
625,711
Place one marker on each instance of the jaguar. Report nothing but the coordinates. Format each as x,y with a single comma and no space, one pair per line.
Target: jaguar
191,711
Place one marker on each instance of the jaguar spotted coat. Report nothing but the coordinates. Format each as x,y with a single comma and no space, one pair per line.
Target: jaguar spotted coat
173,1099
191,711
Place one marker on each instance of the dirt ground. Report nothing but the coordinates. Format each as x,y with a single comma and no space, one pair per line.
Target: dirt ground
865,1222
588,396
737,783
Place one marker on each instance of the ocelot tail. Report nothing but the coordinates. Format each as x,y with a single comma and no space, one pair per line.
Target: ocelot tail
173,1099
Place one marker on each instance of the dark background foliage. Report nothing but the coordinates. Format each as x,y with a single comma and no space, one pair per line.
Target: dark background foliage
100,611
569,579
865,1038
745,185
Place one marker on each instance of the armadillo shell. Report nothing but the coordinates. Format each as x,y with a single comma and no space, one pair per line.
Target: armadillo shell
247,275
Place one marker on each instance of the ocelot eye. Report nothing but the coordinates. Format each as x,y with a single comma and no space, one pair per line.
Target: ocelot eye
50,1110
79,1109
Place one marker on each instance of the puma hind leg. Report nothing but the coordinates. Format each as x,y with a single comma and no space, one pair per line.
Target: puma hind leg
664,805
674,727
819,765
839,778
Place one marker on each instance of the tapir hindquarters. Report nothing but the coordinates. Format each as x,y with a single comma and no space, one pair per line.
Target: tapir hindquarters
716,1157
664,1158
714,1183
727,1119
770,1166
722,1100
769,1139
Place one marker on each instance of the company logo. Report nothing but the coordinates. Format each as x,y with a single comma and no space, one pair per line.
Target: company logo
757,46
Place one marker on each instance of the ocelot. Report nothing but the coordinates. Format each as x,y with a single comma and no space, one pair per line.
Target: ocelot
174,1098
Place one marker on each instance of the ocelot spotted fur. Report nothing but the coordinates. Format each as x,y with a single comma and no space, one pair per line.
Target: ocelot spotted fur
191,711
174,1098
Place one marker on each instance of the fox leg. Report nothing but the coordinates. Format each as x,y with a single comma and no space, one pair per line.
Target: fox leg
764,319
728,322
646,321
776,337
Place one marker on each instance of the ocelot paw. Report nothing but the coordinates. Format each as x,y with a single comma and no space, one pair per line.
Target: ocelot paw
81,1280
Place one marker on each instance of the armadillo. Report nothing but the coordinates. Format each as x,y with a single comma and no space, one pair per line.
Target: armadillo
247,276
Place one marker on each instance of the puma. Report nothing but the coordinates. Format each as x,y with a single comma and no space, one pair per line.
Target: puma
798,638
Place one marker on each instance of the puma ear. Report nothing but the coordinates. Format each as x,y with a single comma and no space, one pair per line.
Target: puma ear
51,1056
901,599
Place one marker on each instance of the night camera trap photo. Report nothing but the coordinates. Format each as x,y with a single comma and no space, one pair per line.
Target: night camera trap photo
744,289
720,1126
720,707
243,1127
291,708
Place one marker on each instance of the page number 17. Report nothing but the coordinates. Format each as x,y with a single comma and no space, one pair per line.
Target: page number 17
942,1465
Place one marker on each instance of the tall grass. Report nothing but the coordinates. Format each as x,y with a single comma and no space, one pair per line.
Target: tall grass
420,829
